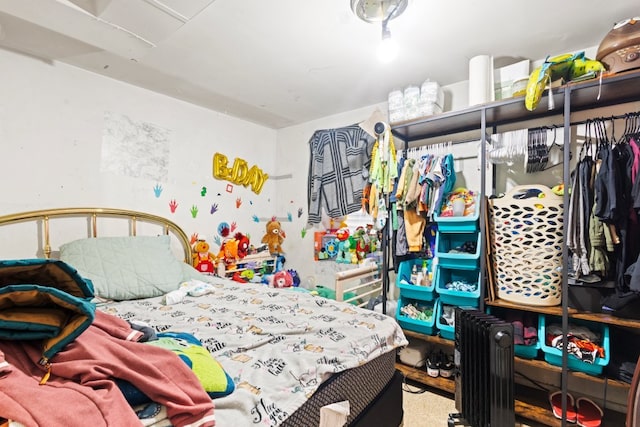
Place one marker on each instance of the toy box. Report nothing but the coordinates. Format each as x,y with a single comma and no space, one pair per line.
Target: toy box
325,246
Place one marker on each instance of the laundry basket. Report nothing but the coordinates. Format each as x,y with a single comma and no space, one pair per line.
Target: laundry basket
526,243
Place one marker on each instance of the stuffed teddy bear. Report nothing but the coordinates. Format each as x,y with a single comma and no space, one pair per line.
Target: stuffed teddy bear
203,260
274,236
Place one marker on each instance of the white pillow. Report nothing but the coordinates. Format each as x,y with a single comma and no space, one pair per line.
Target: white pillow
130,267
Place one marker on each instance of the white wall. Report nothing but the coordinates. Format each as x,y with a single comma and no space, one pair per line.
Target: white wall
293,158
52,124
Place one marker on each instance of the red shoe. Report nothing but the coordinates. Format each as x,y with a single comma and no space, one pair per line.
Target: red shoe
555,399
589,414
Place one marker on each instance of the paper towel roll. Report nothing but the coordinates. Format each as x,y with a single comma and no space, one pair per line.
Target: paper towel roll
481,79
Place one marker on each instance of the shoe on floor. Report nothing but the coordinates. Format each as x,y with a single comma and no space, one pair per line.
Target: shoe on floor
555,399
589,414
433,365
446,366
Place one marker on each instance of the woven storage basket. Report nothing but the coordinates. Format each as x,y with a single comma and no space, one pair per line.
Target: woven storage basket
526,242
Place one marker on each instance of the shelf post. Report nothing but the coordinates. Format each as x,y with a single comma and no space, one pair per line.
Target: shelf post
566,176
481,206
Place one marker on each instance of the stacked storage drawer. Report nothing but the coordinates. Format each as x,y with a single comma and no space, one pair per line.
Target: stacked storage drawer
457,273
421,297
553,355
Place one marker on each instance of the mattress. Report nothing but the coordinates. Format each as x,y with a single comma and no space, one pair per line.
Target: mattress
288,352
364,382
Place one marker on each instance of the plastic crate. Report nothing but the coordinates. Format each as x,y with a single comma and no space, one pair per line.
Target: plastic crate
554,356
528,351
458,224
445,242
408,290
455,297
427,328
446,331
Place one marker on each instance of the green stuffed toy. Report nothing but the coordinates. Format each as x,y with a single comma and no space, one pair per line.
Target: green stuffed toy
215,381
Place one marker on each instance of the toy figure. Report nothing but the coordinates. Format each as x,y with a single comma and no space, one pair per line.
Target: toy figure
274,236
282,279
243,245
202,259
229,253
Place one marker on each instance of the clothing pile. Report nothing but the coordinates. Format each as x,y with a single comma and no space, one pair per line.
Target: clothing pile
62,362
581,341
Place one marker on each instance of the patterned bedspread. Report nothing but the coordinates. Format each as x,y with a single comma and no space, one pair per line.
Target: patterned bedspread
278,345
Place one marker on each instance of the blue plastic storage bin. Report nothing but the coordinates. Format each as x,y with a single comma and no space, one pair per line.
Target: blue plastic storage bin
408,290
455,297
415,325
458,224
446,242
528,351
554,355
446,331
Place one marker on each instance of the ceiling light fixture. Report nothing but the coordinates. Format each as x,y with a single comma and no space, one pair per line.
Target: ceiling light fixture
381,11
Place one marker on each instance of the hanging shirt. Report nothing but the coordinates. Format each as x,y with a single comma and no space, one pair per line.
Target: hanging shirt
384,165
338,171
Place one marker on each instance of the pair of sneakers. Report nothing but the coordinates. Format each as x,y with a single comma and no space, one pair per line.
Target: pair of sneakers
440,364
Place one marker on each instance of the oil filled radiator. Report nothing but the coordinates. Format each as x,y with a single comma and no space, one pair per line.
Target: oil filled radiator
484,359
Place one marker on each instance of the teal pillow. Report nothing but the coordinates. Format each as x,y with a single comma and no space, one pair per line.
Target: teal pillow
129,267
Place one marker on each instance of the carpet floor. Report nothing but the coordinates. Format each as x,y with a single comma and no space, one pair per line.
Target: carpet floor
424,408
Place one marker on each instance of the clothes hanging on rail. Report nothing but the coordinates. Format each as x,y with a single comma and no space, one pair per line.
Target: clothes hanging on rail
580,207
382,176
421,189
338,171
603,226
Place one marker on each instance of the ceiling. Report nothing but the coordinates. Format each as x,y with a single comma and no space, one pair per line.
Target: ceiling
283,62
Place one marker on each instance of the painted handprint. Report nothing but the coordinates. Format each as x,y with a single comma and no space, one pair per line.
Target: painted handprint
173,205
214,208
255,218
238,202
234,226
157,190
194,211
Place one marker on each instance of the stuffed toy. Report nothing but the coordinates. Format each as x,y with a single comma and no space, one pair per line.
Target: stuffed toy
243,245
295,277
229,253
203,260
282,279
274,236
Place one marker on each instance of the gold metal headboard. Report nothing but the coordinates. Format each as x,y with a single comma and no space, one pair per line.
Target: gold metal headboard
94,213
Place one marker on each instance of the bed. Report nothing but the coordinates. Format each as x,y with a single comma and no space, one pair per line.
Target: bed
292,358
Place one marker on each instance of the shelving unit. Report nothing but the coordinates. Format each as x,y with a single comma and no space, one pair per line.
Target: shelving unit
420,374
571,98
256,262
